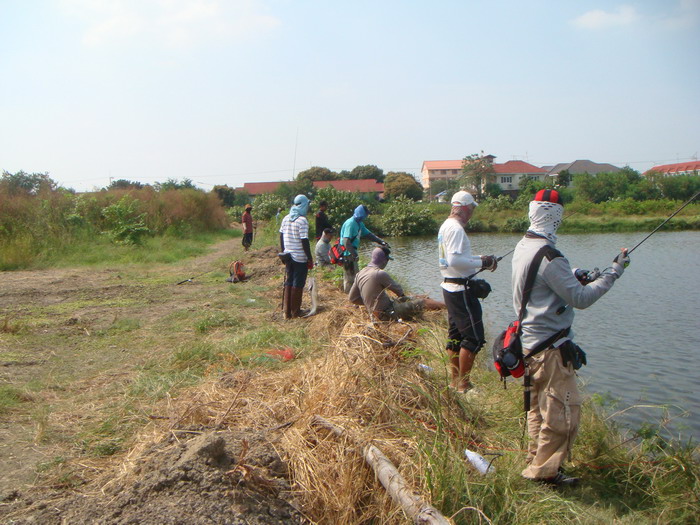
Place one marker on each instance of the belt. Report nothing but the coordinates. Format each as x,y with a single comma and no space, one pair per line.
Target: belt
456,280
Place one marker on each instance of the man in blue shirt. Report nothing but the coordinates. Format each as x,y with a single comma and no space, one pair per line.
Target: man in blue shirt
353,229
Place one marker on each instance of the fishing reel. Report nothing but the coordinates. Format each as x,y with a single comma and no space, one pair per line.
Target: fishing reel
586,276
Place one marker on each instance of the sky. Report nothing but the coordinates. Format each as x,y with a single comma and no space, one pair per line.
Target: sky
235,91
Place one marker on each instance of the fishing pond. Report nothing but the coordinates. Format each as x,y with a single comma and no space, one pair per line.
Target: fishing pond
642,338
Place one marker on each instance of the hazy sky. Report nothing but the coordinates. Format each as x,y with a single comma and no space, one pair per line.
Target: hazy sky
234,91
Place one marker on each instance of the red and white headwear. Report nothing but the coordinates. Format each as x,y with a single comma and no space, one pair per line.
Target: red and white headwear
546,211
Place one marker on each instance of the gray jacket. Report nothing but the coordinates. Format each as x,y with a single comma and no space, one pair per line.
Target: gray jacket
555,287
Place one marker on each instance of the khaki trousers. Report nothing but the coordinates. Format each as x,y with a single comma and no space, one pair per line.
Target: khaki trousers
554,414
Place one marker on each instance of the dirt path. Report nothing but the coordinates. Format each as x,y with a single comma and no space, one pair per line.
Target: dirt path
73,337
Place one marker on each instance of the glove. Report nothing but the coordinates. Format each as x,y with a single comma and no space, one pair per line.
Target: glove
621,262
489,262
310,264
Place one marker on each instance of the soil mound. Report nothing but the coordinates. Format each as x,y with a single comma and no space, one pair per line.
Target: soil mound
216,477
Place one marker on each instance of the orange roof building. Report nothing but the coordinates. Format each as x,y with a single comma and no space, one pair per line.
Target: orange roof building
506,174
679,168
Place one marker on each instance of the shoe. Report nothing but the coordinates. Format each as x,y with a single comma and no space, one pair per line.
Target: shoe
561,480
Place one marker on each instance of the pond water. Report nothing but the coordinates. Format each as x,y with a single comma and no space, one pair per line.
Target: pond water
642,338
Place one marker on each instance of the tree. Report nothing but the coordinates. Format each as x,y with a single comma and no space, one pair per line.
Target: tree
173,184
492,189
21,182
316,173
402,183
123,184
226,194
476,170
370,171
564,178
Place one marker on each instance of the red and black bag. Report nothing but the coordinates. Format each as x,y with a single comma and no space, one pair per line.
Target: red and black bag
337,253
507,348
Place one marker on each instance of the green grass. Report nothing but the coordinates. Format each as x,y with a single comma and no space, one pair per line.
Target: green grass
10,397
100,251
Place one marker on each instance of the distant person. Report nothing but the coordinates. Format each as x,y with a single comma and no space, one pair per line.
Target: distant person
351,232
465,335
294,240
247,222
323,247
371,285
322,222
551,357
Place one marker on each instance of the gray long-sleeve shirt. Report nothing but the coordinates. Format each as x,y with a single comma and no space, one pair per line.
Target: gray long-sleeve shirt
555,287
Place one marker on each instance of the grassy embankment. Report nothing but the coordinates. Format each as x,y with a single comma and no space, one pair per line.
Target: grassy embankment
113,357
585,217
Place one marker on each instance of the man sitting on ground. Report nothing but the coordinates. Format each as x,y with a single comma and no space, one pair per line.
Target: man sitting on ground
323,247
370,288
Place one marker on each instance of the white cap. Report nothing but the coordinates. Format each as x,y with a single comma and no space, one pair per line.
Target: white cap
463,198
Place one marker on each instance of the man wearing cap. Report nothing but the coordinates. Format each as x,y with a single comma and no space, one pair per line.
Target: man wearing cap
350,233
466,329
247,222
550,355
370,288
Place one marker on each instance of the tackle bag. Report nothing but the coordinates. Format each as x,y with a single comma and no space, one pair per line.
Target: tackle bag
479,288
337,253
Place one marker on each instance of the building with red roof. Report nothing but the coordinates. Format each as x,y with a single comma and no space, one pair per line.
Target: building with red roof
258,188
679,168
506,174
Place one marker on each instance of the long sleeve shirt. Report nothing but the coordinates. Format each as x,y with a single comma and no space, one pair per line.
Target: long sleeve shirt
555,293
456,259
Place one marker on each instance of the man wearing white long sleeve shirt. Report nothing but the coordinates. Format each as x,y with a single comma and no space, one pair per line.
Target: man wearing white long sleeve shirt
466,329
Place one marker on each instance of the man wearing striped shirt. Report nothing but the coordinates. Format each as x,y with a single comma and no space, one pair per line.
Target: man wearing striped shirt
294,240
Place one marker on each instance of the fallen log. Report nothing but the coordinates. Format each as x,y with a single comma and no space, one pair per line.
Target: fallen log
421,512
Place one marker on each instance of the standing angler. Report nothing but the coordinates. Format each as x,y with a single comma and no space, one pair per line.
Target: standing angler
322,222
556,403
294,239
351,232
466,329
247,221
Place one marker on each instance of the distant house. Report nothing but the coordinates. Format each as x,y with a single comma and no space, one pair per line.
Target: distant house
582,166
356,186
258,188
506,174
680,168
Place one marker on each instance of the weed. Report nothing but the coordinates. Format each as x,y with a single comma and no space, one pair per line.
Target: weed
10,327
10,397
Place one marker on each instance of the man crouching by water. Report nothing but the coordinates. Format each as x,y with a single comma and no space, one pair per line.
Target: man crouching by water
466,329
551,357
370,288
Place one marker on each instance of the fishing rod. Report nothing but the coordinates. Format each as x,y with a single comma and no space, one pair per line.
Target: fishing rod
668,219
198,275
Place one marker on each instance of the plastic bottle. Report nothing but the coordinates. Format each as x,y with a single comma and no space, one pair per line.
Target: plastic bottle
424,369
479,462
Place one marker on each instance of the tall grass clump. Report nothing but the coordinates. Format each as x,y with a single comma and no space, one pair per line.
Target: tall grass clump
40,221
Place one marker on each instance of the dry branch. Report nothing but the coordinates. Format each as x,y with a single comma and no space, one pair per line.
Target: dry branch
418,510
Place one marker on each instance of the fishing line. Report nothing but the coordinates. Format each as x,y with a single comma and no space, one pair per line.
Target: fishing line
668,219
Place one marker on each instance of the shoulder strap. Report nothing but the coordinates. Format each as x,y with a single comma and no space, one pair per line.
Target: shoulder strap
530,281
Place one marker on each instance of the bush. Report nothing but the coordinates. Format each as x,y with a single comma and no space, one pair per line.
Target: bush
124,224
404,217
517,225
265,207
341,205
499,203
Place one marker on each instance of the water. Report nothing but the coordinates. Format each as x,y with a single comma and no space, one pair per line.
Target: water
642,337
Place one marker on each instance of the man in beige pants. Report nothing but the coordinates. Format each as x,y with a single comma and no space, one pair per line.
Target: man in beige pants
554,399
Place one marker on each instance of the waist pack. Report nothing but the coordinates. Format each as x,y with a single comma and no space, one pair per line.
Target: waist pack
285,257
479,288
